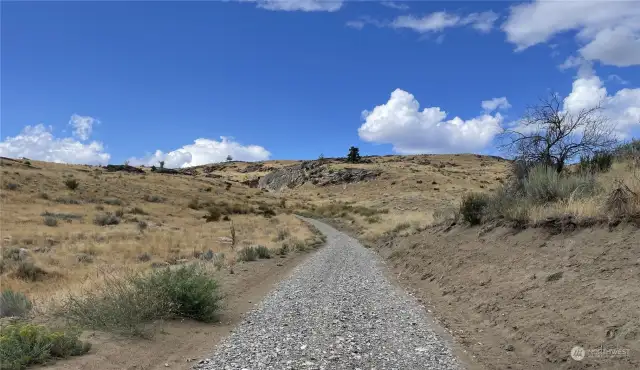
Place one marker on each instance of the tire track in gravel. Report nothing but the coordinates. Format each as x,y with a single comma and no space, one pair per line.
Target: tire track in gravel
336,311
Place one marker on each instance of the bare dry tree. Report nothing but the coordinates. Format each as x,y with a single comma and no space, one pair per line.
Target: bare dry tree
552,136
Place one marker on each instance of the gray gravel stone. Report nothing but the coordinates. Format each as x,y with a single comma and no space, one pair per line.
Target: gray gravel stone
336,311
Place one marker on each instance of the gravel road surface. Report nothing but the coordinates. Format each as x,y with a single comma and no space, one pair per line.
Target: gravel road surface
336,311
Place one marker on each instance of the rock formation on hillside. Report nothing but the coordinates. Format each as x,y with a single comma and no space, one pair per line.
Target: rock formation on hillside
315,173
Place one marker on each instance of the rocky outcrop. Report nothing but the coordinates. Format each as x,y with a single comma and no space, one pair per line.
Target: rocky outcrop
252,183
123,168
315,173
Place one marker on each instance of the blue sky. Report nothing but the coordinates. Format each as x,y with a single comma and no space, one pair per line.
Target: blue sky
291,79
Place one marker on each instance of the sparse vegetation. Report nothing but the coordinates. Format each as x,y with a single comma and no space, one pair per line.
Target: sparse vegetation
194,204
129,304
282,234
252,253
11,186
23,344
67,200
50,221
61,215
28,271
105,219
71,183
540,192
472,207
599,162
113,201
266,210
544,184
213,214
138,211
14,304
153,198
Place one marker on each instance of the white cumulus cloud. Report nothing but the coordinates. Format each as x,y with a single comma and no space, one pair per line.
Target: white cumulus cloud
204,151
607,31
400,122
299,5
622,108
496,104
38,142
82,126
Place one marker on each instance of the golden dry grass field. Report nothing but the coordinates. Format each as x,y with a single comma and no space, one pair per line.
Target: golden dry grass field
157,225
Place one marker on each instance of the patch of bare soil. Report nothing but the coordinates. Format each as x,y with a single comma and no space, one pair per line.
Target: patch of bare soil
523,300
179,344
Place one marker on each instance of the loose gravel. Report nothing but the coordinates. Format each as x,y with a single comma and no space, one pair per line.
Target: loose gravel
336,311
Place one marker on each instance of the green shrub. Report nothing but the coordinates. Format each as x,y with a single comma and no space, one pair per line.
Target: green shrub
472,207
11,253
104,219
113,201
213,214
263,252
67,200
128,305
116,306
266,210
71,184
544,185
629,150
50,221
23,344
11,186
14,304
193,293
247,254
599,162
61,216
28,271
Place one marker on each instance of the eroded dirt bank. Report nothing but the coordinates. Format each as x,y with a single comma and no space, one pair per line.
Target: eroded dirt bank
523,300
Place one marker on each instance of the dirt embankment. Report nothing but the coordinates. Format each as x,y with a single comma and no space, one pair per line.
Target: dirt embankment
523,300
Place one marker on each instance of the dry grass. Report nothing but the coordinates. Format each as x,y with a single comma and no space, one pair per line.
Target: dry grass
594,206
410,190
78,252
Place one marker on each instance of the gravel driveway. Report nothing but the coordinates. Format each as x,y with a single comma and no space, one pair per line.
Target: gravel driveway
336,311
